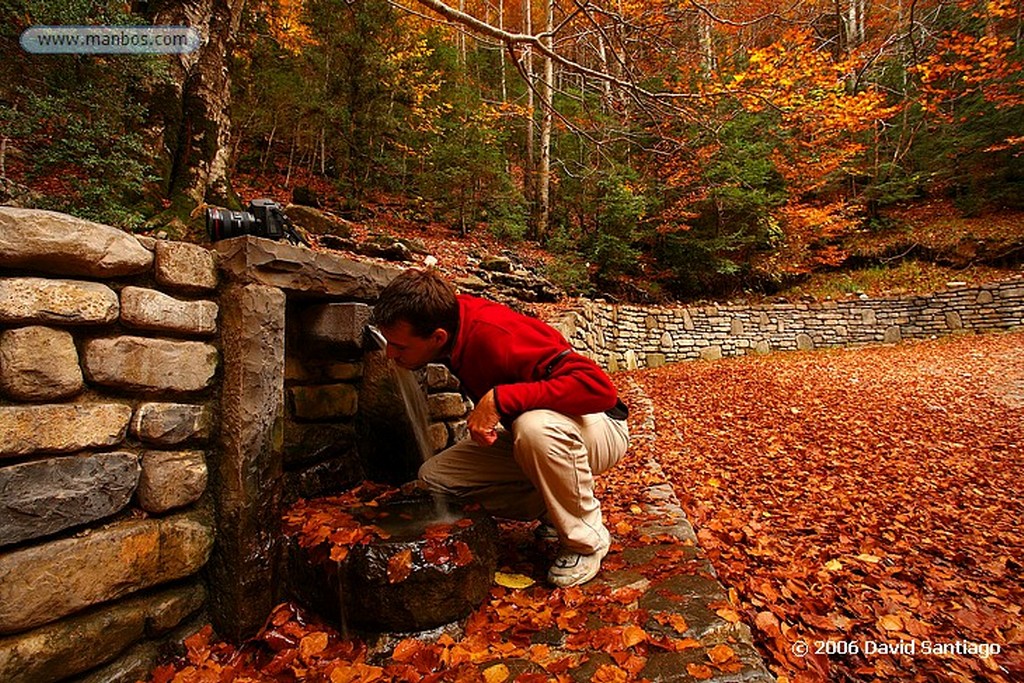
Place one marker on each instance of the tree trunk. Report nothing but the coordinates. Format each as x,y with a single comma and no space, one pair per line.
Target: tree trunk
530,174
546,95
707,47
191,121
501,55
854,20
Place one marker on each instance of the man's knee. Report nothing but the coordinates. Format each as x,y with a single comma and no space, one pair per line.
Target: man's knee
431,474
542,433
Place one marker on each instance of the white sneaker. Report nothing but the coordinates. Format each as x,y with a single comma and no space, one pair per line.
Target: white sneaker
574,569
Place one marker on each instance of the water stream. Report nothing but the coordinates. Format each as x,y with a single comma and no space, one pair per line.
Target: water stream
415,408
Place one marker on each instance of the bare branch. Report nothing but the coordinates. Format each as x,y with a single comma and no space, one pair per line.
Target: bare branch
534,41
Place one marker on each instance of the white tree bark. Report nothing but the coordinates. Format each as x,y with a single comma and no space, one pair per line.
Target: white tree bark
546,95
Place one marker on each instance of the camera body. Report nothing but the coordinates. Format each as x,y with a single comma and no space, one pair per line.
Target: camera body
263,218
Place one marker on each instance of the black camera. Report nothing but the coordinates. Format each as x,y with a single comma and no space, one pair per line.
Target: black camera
264,218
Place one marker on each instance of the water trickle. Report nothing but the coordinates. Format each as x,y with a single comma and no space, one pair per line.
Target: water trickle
415,408
413,400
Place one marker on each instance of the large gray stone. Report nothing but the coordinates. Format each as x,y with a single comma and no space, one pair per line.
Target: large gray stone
312,442
340,326
148,309
62,428
246,476
446,405
141,363
317,221
46,496
57,243
186,267
251,259
69,647
324,402
324,478
169,424
447,578
711,353
171,479
39,364
62,302
804,342
439,377
44,583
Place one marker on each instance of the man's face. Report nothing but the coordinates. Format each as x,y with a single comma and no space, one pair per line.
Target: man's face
409,350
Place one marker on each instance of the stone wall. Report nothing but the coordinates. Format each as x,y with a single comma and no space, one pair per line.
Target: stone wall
160,403
622,337
108,366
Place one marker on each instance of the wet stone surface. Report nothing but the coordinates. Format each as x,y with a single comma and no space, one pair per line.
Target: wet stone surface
434,566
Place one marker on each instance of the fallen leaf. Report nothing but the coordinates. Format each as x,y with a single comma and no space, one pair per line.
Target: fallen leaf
721,653
400,566
312,645
729,614
514,581
890,622
498,673
699,671
872,559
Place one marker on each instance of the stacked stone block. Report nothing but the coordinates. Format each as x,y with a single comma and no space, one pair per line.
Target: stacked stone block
323,373
623,337
107,369
448,408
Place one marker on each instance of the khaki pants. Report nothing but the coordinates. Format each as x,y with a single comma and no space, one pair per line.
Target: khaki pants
546,465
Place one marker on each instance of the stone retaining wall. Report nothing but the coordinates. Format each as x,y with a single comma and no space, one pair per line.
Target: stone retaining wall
623,337
108,367
160,402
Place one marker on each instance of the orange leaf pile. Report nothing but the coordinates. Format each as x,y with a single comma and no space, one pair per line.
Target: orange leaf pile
866,496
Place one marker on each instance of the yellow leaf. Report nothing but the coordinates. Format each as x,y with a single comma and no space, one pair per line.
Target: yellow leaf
699,671
312,645
890,622
833,565
873,559
720,654
633,635
729,614
498,673
516,581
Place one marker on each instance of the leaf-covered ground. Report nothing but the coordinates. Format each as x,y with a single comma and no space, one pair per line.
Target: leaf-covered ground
868,497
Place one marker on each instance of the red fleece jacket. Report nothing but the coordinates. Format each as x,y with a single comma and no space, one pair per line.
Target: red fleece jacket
497,348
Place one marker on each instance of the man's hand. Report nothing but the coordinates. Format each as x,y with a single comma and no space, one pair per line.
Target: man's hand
482,422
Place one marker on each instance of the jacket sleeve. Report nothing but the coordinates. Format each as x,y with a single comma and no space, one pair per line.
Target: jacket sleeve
575,386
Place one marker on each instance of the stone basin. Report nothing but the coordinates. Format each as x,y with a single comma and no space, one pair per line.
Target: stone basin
435,566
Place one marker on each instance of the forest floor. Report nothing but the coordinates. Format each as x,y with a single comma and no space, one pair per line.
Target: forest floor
928,247
869,497
862,508
918,248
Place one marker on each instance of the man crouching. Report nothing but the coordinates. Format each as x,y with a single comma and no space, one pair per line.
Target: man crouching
561,417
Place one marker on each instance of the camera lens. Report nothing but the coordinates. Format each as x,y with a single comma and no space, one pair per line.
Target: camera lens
224,223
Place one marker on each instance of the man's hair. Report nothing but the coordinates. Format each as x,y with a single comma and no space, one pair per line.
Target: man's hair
421,298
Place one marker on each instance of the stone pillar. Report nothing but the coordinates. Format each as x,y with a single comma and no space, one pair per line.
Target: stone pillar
246,474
